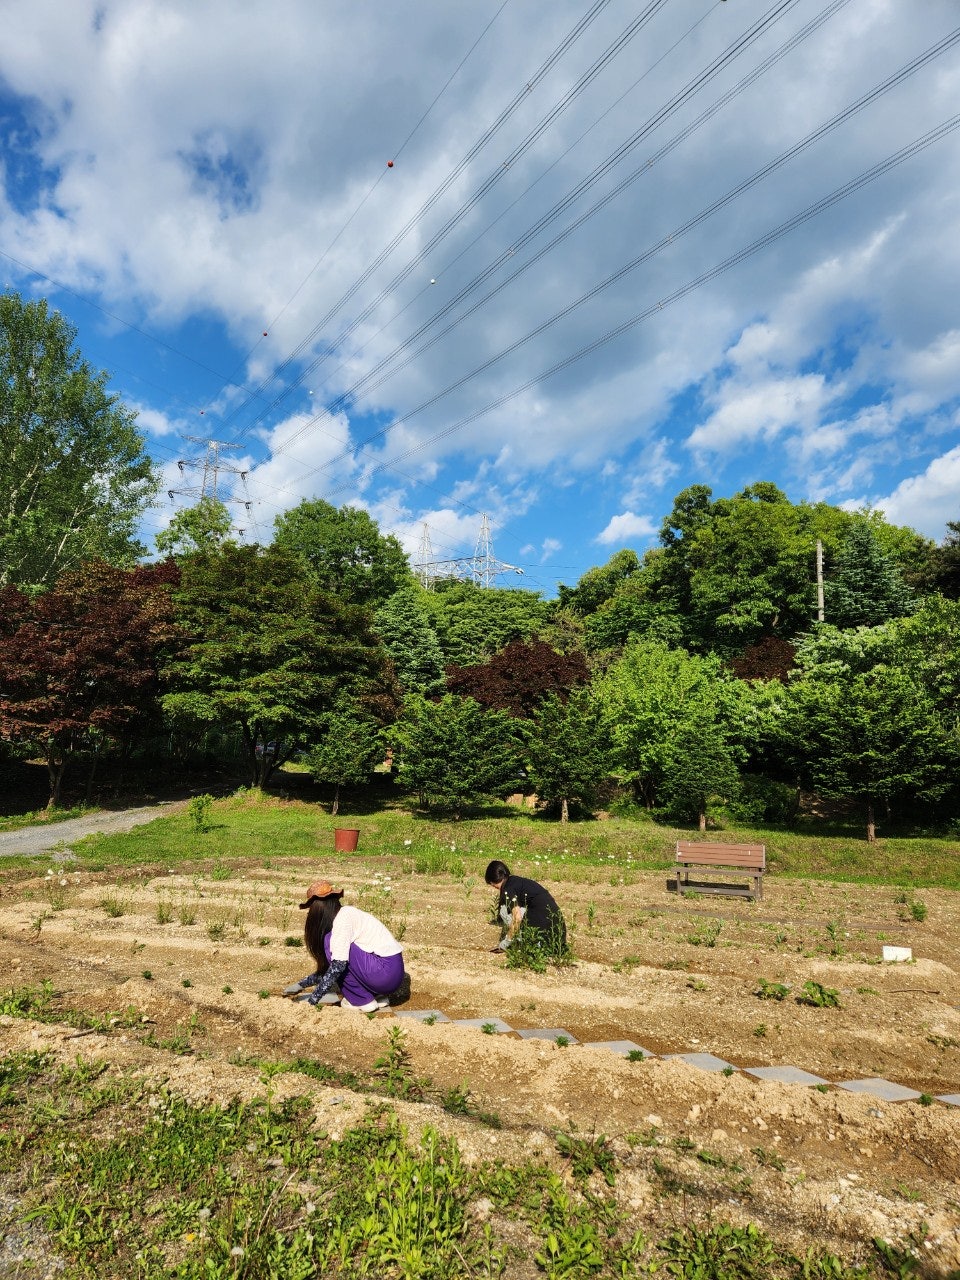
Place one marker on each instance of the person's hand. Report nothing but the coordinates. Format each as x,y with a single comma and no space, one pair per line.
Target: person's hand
294,989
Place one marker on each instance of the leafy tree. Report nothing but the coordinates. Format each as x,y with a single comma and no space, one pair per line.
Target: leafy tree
946,563
403,625
874,736
75,478
204,527
567,756
474,622
701,759
599,585
80,663
654,697
453,752
269,654
519,677
344,551
864,587
350,747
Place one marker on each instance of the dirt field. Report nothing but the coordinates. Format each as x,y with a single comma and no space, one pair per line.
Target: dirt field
673,975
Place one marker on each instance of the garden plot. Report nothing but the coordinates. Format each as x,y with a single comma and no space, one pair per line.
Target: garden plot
187,970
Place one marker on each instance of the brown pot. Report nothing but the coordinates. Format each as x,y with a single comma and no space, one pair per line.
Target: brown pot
345,839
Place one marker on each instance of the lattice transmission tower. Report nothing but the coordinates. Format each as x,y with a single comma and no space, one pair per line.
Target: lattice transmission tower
482,567
211,465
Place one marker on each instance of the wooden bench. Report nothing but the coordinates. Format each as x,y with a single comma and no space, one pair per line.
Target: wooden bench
721,860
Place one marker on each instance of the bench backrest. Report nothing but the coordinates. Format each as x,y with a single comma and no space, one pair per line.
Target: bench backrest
750,856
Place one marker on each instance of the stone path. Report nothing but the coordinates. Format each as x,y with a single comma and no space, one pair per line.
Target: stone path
875,1086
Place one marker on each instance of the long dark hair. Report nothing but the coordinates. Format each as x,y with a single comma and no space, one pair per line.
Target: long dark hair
319,922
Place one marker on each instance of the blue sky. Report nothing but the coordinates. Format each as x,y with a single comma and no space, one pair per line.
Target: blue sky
525,315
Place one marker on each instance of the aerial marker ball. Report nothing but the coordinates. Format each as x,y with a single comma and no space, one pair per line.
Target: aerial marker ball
389,164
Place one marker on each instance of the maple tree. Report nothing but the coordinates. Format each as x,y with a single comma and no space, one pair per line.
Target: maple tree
81,662
519,677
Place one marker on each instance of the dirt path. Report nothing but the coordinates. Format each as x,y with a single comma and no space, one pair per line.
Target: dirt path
29,841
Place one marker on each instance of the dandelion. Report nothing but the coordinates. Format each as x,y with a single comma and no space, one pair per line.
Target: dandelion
407,843
236,1252
203,1214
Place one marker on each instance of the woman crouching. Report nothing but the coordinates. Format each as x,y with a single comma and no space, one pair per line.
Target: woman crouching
353,951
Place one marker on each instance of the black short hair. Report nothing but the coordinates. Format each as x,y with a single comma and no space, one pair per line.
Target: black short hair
496,872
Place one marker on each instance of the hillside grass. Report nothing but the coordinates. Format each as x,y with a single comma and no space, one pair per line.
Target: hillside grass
253,827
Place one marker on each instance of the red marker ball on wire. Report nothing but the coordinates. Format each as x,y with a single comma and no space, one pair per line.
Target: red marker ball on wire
389,164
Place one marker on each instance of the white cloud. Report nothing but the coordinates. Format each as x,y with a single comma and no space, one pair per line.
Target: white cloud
761,411
927,501
627,528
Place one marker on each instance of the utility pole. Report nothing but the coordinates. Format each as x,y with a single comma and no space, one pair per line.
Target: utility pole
820,610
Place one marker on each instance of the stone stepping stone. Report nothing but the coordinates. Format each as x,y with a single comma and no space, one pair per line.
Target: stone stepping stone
623,1047
952,1098
500,1027
705,1061
547,1033
786,1075
877,1087
422,1015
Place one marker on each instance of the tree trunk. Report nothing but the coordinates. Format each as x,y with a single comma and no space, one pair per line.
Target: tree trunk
56,763
871,825
91,775
703,819
564,810
334,809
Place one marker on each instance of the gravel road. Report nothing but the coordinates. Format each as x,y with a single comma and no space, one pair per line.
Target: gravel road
61,835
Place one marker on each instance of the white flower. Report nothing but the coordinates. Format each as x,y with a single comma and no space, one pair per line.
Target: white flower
408,843
236,1252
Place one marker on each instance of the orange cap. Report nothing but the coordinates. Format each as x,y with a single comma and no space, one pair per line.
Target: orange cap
320,889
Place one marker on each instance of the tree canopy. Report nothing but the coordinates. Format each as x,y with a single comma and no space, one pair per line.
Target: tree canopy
75,478
343,551
269,653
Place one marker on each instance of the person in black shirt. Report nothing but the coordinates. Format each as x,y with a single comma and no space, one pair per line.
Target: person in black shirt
524,902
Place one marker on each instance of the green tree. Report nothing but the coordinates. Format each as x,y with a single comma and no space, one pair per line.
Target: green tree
344,551
599,585
873,736
654,698
204,527
348,750
946,563
269,654
567,756
473,622
864,586
75,478
701,760
403,625
453,752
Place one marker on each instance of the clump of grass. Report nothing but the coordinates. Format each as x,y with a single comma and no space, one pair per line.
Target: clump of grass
114,906
198,811
187,913
291,941
705,934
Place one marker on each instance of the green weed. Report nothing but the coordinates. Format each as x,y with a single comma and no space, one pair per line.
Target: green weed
819,996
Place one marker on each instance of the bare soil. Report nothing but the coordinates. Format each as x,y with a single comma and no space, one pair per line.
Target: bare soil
826,1169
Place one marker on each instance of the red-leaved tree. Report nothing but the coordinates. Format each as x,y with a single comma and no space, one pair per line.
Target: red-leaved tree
519,677
80,662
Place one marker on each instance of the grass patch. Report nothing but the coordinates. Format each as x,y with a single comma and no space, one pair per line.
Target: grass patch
249,827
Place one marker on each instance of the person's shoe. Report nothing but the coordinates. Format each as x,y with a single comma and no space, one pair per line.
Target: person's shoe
370,1007
383,1002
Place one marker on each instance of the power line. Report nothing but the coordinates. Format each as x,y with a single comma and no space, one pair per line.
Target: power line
840,193
759,175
